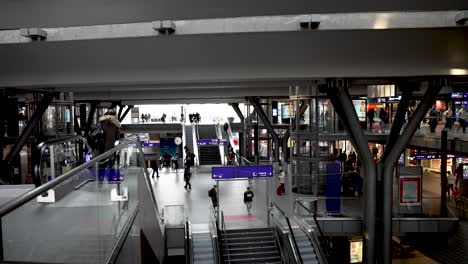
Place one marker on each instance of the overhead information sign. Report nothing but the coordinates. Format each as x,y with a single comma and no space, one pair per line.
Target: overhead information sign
203,142
242,172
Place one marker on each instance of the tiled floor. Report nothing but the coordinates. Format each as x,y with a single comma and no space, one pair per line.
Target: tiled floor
169,190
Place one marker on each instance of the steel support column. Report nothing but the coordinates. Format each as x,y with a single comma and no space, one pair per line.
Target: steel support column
392,158
398,121
443,173
92,110
287,134
129,107
267,125
236,108
35,118
341,100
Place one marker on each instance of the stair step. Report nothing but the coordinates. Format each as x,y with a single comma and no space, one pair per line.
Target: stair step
249,249
276,259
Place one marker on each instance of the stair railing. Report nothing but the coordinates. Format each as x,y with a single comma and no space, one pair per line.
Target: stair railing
282,222
309,230
214,231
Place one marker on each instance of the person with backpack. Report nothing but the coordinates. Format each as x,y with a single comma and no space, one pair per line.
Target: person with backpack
213,194
248,198
110,126
155,168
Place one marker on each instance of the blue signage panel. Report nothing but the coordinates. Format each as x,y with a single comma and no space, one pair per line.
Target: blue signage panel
242,172
333,187
424,156
202,142
150,144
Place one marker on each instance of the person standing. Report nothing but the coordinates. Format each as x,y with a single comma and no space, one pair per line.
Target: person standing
432,119
462,117
213,194
451,179
248,198
187,176
448,115
282,179
370,116
110,126
175,161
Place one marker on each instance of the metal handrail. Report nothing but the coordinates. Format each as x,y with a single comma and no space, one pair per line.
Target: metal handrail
296,252
313,216
313,239
188,243
214,237
31,195
243,158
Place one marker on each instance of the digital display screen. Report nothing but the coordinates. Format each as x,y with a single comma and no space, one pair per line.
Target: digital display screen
360,108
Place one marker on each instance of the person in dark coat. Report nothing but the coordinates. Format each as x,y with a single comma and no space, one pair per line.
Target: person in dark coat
154,167
248,198
370,116
213,194
110,125
432,119
187,176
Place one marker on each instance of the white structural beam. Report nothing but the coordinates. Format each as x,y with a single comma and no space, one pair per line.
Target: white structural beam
350,21
61,13
244,57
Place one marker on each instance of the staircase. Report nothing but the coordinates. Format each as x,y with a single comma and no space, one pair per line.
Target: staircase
209,155
257,245
308,254
202,248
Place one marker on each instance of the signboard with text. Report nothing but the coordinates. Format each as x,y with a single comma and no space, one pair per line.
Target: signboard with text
203,142
242,172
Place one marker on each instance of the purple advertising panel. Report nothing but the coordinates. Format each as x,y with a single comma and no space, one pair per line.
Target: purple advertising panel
242,172
202,142
150,144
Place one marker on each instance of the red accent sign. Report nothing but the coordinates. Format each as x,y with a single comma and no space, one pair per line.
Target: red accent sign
410,190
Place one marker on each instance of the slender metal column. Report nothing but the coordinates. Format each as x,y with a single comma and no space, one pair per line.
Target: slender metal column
443,173
341,100
267,125
287,134
395,152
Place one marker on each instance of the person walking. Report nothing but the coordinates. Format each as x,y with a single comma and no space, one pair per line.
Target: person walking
155,168
451,179
248,198
448,115
462,117
187,176
213,194
282,179
175,161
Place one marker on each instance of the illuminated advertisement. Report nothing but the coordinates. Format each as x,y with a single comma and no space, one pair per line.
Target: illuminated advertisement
355,251
360,108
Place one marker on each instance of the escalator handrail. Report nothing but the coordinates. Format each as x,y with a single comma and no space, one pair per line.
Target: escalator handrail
189,242
313,239
313,216
291,234
214,237
31,195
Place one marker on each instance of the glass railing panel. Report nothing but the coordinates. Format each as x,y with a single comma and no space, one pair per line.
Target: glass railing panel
62,155
329,207
85,224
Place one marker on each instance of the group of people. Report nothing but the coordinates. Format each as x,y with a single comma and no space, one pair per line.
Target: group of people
451,117
147,118
248,197
383,115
